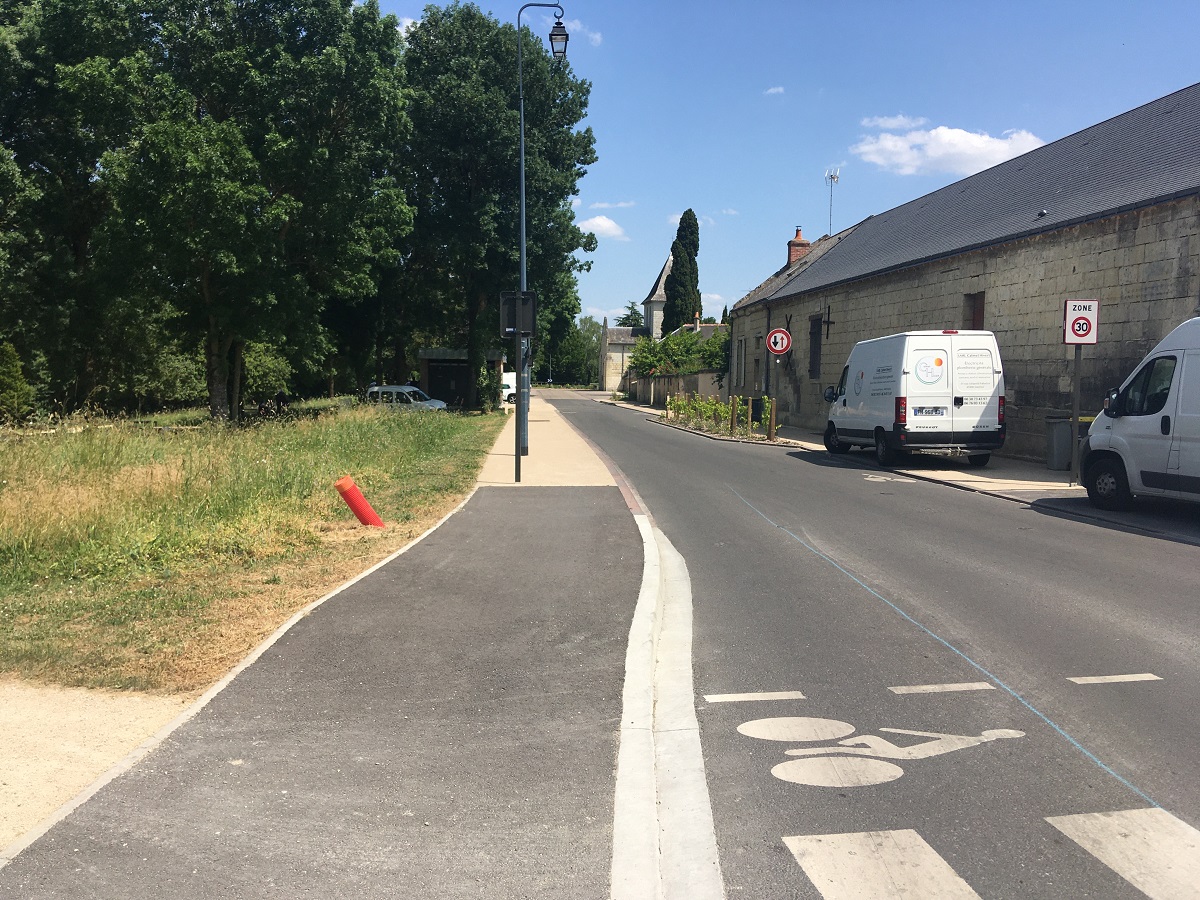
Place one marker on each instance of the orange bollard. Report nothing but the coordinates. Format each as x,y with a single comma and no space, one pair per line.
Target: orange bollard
357,502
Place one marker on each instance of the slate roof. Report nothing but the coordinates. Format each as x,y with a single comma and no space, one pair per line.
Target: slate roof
659,291
1145,156
623,334
790,270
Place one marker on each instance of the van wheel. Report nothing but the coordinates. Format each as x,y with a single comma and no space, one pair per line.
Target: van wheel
979,460
832,443
511,398
884,455
1107,485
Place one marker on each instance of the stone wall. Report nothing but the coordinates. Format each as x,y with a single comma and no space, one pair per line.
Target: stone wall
654,389
1143,267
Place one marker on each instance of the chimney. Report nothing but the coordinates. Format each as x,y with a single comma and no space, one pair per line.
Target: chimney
697,326
797,247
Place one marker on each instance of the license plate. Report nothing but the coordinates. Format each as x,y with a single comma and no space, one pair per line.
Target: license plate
929,411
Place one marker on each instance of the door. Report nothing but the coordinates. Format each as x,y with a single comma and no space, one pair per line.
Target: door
1147,405
929,385
1184,464
975,380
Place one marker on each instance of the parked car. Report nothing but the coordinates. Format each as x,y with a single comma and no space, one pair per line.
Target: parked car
1147,441
508,387
920,390
402,396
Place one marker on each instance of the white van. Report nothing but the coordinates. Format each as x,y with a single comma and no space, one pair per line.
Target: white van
508,387
402,396
921,390
1147,441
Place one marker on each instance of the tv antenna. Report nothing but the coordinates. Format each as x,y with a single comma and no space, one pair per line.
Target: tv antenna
832,176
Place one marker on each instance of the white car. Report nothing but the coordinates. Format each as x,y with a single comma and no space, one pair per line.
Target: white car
402,396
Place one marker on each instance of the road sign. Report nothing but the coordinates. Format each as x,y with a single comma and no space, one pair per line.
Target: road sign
1081,319
779,341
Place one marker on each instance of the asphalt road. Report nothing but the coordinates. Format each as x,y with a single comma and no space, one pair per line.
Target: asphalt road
839,583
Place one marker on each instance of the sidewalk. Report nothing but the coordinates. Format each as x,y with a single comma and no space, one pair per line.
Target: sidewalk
444,726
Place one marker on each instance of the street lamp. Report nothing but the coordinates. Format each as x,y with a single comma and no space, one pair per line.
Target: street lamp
558,46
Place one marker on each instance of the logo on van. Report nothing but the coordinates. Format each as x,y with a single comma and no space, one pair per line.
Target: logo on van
858,380
929,369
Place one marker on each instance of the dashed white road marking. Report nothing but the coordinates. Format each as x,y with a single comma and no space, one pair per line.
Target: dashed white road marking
877,864
1150,848
1112,679
762,695
943,688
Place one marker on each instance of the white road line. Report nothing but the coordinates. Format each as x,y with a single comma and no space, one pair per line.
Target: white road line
877,864
943,688
1111,679
1151,849
762,695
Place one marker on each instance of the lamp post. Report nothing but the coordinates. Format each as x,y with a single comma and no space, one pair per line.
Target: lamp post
558,47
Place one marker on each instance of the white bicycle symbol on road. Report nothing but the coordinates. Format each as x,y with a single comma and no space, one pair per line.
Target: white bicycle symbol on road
855,761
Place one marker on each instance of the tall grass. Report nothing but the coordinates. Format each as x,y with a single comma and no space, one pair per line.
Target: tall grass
123,546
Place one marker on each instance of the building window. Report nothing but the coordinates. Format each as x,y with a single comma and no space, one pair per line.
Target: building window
757,374
973,311
814,347
740,363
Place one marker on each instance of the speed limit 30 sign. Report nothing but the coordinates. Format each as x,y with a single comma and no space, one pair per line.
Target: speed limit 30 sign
1081,319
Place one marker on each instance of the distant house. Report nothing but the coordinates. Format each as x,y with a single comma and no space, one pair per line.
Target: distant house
617,341
1111,213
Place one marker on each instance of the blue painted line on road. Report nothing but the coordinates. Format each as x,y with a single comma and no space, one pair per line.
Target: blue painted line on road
978,667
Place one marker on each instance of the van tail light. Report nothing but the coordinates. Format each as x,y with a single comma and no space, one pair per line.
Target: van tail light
901,410
1001,414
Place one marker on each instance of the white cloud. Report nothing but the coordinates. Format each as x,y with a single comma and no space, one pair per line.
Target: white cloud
576,203
604,227
773,90
700,220
621,204
730,212
576,27
893,123
406,24
942,149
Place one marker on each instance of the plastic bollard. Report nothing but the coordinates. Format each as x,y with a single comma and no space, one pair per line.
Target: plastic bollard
357,502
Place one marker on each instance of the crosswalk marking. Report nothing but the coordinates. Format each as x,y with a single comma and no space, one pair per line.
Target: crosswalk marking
1150,848
761,695
943,688
1112,679
877,864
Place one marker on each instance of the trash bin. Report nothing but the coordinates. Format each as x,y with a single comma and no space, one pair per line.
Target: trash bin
1058,443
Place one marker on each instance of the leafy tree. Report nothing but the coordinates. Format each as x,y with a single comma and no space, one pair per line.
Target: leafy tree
464,249
682,286
577,358
714,354
632,318
16,396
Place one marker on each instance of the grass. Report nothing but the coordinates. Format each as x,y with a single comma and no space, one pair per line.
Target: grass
154,559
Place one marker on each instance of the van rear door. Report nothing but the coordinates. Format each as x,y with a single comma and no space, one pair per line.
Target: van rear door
975,379
928,388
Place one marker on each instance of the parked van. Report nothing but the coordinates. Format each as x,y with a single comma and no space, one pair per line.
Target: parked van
1147,441
508,387
402,396
920,390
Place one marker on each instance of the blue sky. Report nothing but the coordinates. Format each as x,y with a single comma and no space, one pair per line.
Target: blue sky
739,110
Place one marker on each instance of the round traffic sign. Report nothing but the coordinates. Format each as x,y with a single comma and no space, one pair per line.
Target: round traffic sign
1081,327
779,341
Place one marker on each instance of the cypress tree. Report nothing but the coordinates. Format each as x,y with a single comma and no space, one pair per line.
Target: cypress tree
683,283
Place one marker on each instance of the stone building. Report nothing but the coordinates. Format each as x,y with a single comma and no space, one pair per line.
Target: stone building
1111,213
616,342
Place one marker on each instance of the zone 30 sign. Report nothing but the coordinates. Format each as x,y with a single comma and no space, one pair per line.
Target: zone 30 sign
1081,319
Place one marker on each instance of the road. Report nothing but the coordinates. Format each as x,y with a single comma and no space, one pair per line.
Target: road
924,640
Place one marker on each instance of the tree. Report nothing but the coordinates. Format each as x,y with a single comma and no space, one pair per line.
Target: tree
725,316
464,151
261,184
682,286
632,318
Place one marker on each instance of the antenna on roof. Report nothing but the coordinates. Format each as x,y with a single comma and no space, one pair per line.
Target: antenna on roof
832,176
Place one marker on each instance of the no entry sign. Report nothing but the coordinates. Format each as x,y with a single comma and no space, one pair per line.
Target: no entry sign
779,341
1081,319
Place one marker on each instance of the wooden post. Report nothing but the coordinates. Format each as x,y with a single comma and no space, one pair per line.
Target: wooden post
771,426
733,405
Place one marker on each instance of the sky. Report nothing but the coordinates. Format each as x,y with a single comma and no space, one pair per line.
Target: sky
740,111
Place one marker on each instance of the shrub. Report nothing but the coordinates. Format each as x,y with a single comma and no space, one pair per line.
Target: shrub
16,395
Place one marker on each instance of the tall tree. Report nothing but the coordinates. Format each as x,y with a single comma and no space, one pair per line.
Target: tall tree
632,318
682,286
262,184
464,248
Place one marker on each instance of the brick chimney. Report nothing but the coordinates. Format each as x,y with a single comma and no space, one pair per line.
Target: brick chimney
797,247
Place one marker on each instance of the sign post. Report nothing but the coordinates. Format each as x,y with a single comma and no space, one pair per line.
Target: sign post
1081,320
779,342
518,318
